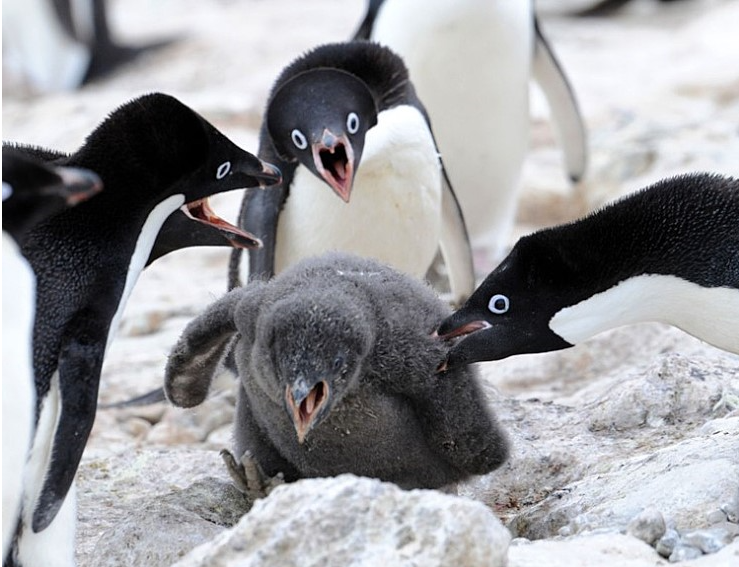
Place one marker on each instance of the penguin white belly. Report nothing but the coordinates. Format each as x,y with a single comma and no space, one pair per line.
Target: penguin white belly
18,387
394,214
38,44
470,62
708,313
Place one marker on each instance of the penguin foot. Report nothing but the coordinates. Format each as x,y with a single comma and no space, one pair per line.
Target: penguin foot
248,476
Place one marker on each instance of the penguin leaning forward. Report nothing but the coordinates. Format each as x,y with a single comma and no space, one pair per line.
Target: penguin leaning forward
472,62
361,171
667,253
154,155
32,192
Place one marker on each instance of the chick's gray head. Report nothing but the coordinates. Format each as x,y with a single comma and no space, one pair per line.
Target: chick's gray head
318,344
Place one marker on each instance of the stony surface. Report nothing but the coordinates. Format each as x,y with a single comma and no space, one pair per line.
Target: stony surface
638,417
352,521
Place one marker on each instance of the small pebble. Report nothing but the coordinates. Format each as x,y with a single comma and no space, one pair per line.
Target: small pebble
731,509
709,540
716,517
666,544
684,552
520,541
648,526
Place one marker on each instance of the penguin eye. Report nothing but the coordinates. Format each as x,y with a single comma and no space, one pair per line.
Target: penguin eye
352,123
499,304
338,363
7,191
223,170
299,139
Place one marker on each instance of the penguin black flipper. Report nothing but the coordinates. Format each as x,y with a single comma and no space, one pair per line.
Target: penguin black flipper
260,211
79,369
455,245
566,114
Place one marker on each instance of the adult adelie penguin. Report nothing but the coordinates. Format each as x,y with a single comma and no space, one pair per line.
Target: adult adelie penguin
32,192
361,170
471,62
154,155
668,253
62,44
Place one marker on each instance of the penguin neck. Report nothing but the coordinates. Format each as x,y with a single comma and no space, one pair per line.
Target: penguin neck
144,243
710,313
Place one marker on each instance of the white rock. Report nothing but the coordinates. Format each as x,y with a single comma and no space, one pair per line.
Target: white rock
648,526
351,521
602,550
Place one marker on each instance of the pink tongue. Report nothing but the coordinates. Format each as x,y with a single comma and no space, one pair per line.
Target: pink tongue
340,170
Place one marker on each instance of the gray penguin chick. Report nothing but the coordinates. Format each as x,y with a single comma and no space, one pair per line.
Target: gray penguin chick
338,374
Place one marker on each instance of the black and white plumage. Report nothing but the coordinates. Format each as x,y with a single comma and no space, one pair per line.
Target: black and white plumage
154,156
32,192
361,170
471,62
337,365
668,253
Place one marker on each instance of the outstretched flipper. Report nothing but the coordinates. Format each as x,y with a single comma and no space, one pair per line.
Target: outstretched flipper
568,122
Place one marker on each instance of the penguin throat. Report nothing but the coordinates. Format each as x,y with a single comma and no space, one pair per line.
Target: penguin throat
201,212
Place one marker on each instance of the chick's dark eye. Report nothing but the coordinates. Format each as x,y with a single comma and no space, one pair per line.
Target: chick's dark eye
499,304
338,363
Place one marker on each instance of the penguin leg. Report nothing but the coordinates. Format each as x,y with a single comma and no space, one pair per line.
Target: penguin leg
248,476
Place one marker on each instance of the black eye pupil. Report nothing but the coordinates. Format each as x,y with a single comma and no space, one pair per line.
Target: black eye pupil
500,304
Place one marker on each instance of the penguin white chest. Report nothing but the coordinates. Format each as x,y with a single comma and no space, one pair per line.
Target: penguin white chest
470,61
394,214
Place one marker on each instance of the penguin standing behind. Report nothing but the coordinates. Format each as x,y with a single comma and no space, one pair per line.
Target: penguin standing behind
154,156
667,253
471,62
337,365
361,171
32,192
62,44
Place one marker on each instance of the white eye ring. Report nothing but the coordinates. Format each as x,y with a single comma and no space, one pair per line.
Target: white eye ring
352,122
7,191
299,139
499,304
223,170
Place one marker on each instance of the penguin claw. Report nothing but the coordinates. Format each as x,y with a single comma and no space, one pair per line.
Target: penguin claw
248,476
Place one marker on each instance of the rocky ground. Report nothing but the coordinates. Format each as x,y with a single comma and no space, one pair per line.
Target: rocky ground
625,449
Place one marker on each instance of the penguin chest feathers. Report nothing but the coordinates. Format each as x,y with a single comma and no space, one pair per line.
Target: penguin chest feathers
394,214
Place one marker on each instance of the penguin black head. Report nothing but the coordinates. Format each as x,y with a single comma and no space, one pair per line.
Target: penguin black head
34,191
317,344
161,140
320,117
509,312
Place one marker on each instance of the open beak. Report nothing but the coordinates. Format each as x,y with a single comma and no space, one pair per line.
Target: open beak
200,211
463,330
269,176
334,160
305,404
